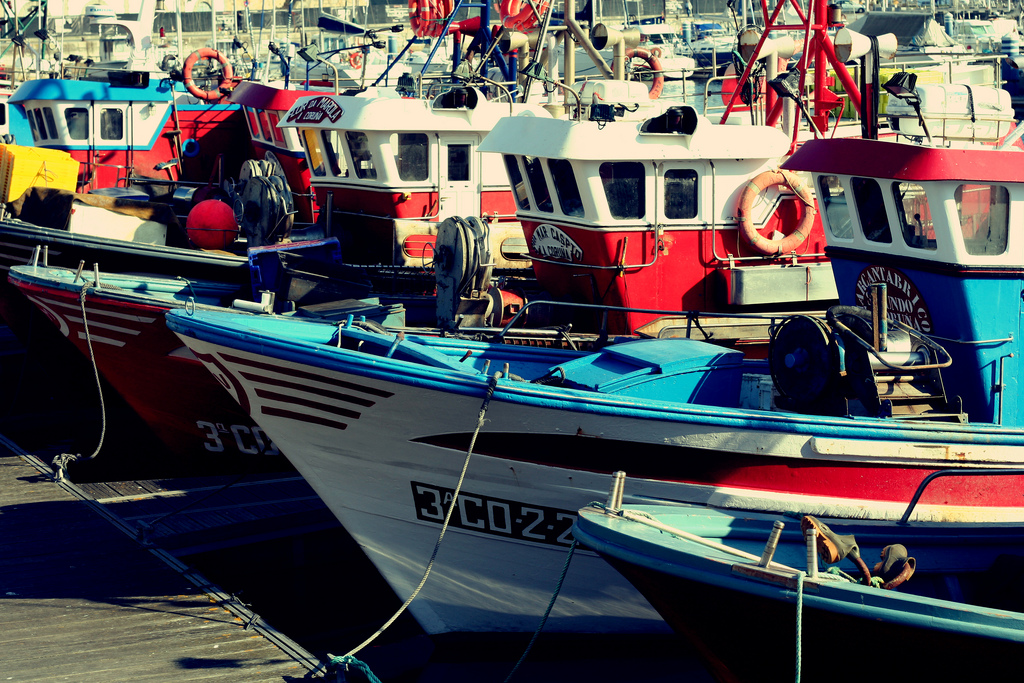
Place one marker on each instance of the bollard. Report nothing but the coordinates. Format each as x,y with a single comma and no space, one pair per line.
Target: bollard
772,544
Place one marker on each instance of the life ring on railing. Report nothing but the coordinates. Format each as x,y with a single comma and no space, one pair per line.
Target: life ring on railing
226,74
654,64
750,193
426,17
355,59
517,15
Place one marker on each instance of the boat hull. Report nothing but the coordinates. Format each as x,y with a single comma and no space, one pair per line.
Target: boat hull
386,452
194,417
744,620
65,249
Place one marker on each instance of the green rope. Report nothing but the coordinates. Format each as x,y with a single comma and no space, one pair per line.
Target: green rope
491,386
799,622
876,581
347,661
547,612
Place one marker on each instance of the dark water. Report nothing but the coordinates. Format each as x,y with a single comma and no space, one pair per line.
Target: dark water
318,588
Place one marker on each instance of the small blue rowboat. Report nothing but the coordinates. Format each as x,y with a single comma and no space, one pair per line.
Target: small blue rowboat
957,617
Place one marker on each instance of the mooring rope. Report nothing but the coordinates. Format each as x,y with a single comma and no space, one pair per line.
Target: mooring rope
61,462
547,612
799,622
491,385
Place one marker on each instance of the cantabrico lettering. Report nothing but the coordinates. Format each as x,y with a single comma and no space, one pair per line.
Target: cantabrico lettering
904,301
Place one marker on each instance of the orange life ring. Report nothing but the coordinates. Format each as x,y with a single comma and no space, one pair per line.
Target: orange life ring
518,15
655,66
656,51
750,193
226,74
426,17
355,59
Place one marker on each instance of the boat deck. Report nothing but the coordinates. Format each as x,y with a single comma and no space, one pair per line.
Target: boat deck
83,599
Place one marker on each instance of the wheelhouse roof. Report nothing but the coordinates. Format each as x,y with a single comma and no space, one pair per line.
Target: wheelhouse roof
377,114
904,161
586,140
84,91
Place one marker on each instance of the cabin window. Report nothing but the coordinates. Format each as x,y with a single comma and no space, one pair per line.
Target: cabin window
535,175
832,196
871,210
515,179
565,187
984,218
254,126
32,125
77,119
624,186
274,119
362,159
915,215
680,193
3,114
51,125
334,153
458,162
412,155
265,126
40,126
111,124
316,155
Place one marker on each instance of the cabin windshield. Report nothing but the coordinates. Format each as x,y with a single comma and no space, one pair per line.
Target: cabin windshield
111,124
515,179
871,210
362,158
624,186
535,174
915,215
334,153
411,155
984,218
316,155
837,212
565,187
77,119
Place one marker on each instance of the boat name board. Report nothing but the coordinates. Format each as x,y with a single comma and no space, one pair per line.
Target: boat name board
551,242
315,110
495,516
905,302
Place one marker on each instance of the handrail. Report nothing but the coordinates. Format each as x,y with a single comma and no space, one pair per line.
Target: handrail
628,309
951,473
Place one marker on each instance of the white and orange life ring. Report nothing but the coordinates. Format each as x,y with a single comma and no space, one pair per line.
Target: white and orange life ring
658,84
749,195
518,15
355,59
426,17
226,74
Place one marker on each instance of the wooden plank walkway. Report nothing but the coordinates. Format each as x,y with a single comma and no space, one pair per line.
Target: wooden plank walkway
81,600
192,515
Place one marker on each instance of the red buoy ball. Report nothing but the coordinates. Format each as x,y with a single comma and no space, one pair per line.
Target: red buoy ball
211,224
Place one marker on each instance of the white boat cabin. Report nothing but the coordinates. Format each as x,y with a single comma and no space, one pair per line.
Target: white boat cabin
385,170
638,206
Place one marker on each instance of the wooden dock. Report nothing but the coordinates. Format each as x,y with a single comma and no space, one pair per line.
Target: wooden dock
83,598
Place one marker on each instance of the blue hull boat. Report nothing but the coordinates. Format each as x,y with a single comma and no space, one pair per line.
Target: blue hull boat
956,616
